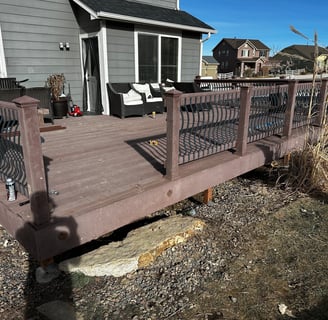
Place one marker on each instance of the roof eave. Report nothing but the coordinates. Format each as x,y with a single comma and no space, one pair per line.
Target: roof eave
93,14
119,17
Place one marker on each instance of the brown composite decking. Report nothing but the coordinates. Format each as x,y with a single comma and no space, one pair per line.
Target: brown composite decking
102,173
107,175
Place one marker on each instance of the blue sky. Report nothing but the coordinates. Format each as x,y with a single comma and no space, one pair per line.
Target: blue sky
268,21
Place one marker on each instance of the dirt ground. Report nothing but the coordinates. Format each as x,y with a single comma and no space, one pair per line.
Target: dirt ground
262,256
280,271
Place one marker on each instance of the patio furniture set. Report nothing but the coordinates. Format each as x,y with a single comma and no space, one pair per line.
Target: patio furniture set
11,89
134,99
139,99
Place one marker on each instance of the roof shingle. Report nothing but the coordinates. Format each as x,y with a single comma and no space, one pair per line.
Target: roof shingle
236,43
138,10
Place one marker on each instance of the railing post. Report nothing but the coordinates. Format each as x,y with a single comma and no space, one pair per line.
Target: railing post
33,159
173,127
322,104
290,108
245,107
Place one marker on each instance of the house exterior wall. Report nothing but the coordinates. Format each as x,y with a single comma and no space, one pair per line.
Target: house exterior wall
226,57
231,59
190,56
172,4
120,52
209,70
32,31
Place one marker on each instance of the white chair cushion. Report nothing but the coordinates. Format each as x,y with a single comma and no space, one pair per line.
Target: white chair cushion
132,97
166,89
155,85
133,103
143,88
156,99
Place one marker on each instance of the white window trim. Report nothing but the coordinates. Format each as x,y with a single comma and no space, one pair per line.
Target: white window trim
160,36
3,68
245,51
103,63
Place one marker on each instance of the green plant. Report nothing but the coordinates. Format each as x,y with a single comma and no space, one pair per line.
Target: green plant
56,84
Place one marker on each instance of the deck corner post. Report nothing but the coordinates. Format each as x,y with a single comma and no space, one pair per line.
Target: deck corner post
245,107
290,107
172,98
320,118
33,159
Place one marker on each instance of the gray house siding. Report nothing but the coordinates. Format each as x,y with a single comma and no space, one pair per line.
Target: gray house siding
171,4
32,31
120,50
190,56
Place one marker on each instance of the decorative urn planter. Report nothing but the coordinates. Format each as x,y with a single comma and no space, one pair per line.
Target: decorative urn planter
60,108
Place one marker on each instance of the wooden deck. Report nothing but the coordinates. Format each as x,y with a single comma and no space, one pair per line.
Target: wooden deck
103,173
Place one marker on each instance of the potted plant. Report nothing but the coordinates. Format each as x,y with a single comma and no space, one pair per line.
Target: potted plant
59,101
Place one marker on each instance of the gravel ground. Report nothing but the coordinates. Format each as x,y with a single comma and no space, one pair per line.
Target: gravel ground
175,286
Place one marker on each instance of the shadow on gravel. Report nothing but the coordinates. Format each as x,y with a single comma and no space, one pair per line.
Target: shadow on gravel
48,291
319,312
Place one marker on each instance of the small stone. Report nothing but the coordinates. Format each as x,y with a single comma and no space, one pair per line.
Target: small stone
47,274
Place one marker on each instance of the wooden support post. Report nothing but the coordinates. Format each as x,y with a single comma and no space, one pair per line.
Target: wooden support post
286,159
289,114
208,195
172,101
33,159
245,107
320,119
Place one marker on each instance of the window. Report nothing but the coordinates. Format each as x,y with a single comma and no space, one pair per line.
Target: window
263,53
245,53
148,57
158,58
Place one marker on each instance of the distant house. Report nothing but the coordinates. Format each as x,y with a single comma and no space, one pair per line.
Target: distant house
209,67
98,41
302,57
243,57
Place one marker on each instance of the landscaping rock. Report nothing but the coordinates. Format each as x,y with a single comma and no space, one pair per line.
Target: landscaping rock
139,249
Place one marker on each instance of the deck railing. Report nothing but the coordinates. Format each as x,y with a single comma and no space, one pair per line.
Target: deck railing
21,154
205,123
228,84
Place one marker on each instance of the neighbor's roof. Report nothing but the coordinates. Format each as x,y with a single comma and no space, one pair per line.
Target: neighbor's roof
236,43
136,12
302,51
210,60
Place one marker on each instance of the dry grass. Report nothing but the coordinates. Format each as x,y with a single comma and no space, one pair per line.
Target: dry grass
308,168
282,260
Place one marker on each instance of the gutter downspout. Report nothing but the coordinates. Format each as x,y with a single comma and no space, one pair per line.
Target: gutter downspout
201,51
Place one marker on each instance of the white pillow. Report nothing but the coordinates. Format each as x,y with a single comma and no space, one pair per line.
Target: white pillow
131,96
144,88
166,89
